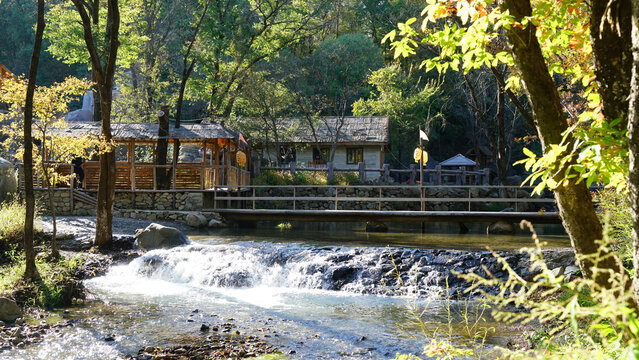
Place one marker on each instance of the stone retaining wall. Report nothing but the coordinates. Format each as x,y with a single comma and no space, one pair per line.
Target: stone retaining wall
180,201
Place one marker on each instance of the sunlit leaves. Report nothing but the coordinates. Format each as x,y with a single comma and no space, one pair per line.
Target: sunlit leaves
49,108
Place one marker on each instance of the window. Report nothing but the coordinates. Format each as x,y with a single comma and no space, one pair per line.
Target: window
320,157
287,154
354,155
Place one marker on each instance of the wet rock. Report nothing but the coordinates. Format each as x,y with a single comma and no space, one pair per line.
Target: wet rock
158,236
500,228
9,310
196,220
204,328
215,223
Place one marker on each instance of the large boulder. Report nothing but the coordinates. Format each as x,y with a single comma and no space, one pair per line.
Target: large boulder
500,228
196,220
9,310
157,236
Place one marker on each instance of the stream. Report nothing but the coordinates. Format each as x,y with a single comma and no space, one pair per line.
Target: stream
297,289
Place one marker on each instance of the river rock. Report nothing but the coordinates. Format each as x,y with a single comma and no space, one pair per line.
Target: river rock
158,236
196,220
376,226
9,310
500,228
215,223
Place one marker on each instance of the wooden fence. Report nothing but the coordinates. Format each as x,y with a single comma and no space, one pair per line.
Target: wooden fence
436,176
290,196
144,176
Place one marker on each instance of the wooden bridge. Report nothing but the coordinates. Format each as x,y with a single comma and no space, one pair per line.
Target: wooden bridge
384,203
242,215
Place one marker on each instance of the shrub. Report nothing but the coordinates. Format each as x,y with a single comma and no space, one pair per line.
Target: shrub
615,210
272,177
57,286
12,214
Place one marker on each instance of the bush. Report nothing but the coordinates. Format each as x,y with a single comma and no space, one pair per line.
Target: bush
56,287
614,209
272,177
12,215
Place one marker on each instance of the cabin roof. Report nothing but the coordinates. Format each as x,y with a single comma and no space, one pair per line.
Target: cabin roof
149,131
458,160
355,129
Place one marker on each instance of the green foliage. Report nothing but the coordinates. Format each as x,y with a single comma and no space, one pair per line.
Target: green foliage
614,209
55,288
594,321
273,177
338,69
12,214
65,33
408,104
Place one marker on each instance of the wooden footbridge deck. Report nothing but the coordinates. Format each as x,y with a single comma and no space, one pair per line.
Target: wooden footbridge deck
241,215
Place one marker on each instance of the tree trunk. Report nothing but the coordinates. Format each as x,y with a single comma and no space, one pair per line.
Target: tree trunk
30,271
574,200
161,150
633,146
610,30
502,162
54,247
104,76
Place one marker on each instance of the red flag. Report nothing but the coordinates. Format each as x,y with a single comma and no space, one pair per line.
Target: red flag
242,139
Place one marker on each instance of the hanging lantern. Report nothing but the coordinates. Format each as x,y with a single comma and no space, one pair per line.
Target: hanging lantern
420,154
240,157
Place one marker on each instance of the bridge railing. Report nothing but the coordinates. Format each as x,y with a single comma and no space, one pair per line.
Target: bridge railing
435,176
384,197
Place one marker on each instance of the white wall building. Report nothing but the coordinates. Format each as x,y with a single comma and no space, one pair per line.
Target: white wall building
357,139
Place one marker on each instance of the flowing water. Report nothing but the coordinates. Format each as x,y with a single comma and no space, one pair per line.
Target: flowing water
324,294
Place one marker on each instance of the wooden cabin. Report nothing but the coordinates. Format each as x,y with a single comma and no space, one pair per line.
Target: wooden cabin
210,156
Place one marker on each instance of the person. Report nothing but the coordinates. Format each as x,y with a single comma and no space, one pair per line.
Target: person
78,171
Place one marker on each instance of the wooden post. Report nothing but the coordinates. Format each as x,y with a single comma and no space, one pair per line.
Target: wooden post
293,197
380,199
421,171
131,161
361,169
386,168
336,196
292,166
174,164
71,190
413,173
463,177
331,171
486,176
438,175
254,198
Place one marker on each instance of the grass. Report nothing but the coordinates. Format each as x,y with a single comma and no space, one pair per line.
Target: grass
56,287
12,214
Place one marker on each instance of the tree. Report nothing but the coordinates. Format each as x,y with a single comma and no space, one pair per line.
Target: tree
408,104
51,158
633,144
30,271
238,34
572,156
336,76
104,70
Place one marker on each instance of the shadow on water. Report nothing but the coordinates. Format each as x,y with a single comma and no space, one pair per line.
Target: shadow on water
409,235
